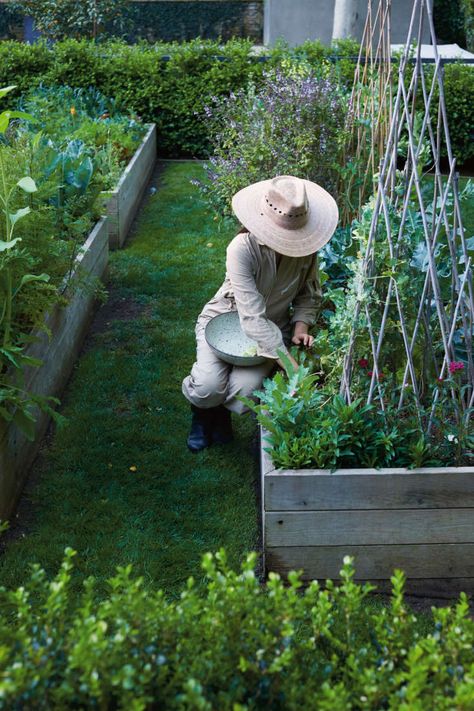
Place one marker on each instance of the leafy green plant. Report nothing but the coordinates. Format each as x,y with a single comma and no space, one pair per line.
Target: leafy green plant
85,120
230,643
15,403
309,426
62,186
467,8
292,124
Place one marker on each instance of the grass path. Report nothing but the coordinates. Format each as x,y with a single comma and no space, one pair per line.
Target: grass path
125,409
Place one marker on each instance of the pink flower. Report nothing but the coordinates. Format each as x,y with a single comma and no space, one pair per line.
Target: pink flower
456,365
363,362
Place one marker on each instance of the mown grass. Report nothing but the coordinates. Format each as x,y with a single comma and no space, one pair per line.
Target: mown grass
125,409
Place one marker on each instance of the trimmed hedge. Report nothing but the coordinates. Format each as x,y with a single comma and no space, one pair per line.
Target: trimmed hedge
173,93
230,644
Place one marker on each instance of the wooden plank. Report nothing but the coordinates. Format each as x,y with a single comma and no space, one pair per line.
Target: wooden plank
332,528
376,562
122,202
449,488
68,324
445,588
266,463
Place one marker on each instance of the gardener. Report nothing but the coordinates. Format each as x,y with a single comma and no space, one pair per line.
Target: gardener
272,281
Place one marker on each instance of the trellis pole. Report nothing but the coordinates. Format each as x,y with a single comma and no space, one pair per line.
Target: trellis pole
443,228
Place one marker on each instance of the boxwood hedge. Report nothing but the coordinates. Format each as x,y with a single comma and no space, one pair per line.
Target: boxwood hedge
173,93
230,643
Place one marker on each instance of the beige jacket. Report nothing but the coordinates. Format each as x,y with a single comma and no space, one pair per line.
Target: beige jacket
269,300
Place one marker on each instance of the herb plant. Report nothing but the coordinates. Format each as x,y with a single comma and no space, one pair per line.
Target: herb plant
291,124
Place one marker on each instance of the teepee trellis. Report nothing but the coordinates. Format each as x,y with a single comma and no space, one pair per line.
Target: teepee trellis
439,317
371,105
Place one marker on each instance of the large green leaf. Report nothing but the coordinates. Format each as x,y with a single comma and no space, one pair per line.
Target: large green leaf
7,89
33,277
27,184
18,114
4,121
8,245
16,216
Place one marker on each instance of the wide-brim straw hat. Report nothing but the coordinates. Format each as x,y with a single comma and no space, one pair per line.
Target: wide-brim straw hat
293,216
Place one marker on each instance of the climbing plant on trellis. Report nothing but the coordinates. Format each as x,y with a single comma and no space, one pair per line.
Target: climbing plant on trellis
413,317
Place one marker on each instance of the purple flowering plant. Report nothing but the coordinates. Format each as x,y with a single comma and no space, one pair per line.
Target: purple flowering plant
292,124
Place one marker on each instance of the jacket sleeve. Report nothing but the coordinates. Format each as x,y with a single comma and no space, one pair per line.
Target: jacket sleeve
307,303
250,302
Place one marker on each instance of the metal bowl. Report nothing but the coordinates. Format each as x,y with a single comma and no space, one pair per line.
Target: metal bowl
225,337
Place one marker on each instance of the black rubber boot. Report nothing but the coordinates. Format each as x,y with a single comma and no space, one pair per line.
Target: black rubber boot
200,434
221,425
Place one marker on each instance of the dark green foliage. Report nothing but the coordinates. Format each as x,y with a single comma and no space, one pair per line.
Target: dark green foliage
449,21
310,427
11,22
459,92
232,644
67,18
66,155
85,119
467,7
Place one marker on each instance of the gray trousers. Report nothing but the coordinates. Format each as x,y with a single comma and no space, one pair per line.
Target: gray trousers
214,382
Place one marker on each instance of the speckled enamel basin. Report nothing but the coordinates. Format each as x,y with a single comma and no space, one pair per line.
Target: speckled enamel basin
226,338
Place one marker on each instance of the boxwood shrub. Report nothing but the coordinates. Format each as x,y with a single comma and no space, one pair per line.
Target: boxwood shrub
173,93
230,643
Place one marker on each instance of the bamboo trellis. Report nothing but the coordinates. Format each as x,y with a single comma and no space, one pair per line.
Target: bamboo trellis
419,121
370,109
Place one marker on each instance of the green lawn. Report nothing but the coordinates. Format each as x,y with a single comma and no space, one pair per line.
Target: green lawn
125,409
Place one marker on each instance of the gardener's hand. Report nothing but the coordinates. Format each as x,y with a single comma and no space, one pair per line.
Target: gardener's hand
303,339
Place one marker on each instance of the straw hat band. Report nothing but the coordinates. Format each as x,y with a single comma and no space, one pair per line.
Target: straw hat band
290,218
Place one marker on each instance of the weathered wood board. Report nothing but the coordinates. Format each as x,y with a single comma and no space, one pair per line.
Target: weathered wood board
68,325
421,521
121,204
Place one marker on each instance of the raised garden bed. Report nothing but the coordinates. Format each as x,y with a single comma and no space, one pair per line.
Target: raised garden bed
121,204
68,326
419,520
